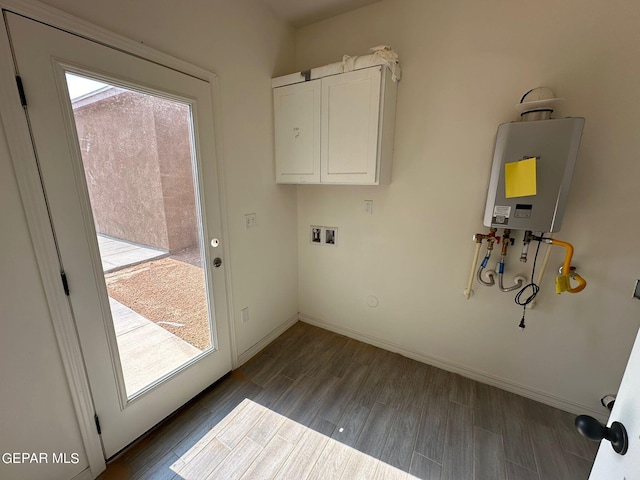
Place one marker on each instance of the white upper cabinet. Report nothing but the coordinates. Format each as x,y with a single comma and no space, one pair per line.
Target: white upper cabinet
336,129
297,132
349,128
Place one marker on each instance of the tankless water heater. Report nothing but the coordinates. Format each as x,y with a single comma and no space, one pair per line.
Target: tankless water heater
531,174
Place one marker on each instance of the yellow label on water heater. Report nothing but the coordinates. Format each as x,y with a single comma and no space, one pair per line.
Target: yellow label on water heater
520,178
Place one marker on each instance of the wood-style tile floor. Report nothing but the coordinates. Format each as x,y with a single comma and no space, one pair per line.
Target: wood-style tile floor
314,404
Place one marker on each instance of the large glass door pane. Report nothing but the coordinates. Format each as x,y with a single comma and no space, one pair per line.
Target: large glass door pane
137,157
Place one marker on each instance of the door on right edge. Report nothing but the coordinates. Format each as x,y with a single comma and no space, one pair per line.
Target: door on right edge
626,410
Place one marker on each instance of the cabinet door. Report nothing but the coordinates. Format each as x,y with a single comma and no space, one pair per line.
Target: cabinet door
350,116
297,132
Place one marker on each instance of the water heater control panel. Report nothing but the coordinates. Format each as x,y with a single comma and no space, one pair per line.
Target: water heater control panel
531,174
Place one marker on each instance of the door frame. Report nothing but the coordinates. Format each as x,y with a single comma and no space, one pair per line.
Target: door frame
24,161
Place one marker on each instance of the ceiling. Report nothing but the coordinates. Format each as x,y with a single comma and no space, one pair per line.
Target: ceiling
303,12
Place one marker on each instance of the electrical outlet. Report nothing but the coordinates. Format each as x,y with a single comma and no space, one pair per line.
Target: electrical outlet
244,314
250,221
368,207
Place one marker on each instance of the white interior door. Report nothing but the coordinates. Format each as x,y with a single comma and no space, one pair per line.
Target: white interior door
609,465
128,168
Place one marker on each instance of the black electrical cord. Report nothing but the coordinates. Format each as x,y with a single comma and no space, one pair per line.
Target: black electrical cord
534,290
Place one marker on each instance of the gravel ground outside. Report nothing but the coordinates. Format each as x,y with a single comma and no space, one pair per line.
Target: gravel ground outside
170,293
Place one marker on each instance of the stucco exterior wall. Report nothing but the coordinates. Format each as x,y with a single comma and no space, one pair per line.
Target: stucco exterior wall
136,151
173,153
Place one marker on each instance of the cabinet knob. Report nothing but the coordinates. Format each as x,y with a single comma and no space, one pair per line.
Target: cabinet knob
592,429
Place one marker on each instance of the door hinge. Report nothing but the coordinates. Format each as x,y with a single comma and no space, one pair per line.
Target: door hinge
95,417
23,97
65,283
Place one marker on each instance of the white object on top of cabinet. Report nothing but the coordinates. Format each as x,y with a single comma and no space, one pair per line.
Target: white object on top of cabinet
336,129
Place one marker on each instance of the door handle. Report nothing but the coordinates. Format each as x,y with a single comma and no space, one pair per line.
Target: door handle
592,429
217,262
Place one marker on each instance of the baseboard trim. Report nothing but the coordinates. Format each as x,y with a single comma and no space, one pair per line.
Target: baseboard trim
478,375
84,475
275,333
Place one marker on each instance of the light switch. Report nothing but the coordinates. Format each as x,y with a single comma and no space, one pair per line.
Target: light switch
249,220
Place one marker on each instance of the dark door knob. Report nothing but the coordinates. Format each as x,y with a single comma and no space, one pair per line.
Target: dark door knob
217,262
592,429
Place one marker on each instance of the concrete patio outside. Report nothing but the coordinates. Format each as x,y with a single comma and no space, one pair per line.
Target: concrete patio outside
147,351
116,254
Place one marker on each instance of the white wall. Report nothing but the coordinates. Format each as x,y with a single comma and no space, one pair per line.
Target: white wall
245,45
36,412
465,66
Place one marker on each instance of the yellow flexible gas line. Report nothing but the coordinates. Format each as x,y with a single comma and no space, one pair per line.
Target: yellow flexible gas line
563,281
